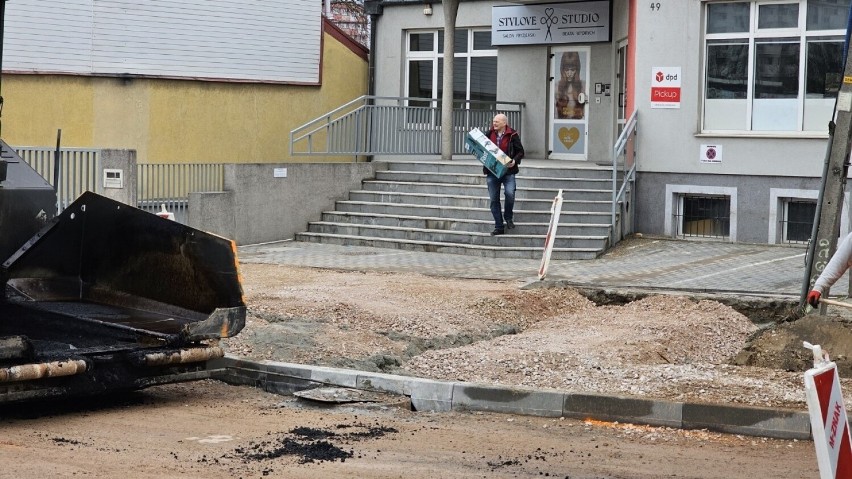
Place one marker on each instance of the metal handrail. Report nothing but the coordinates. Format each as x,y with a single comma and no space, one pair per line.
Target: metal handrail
628,176
374,125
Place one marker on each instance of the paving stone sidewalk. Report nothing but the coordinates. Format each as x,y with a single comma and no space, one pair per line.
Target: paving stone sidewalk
699,266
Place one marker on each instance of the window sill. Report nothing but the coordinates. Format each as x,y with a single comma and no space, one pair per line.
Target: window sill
793,135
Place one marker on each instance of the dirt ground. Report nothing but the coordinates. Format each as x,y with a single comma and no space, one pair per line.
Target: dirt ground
667,347
208,429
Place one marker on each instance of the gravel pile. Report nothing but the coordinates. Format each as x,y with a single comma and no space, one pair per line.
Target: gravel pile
494,332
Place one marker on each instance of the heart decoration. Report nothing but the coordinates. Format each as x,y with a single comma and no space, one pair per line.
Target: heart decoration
569,136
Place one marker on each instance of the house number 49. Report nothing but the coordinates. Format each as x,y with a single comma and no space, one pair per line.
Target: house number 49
655,6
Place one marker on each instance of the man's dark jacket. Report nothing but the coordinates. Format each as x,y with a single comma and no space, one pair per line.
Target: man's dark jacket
511,145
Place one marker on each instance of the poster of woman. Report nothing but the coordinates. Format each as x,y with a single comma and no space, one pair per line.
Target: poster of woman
569,122
569,104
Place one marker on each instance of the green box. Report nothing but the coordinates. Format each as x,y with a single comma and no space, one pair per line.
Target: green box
487,152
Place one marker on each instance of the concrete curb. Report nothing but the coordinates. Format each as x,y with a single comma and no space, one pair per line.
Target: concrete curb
441,396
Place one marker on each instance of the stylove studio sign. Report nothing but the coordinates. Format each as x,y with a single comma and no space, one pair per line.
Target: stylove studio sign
551,23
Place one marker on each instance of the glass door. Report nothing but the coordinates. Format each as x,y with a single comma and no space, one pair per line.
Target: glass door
620,88
569,95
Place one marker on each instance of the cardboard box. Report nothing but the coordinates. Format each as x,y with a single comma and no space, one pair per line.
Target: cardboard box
486,152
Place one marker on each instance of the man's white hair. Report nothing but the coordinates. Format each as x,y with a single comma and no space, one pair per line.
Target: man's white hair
501,116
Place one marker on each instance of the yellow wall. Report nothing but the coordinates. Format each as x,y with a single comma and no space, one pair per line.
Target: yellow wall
178,121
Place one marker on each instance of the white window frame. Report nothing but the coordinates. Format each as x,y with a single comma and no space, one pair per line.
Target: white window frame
752,35
435,57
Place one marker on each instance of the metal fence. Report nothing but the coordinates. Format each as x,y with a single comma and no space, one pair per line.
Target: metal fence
168,186
371,125
78,170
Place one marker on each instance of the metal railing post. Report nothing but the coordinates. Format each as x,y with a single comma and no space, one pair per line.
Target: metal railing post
618,191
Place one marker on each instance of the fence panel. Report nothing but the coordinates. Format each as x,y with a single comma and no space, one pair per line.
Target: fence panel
78,170
169,185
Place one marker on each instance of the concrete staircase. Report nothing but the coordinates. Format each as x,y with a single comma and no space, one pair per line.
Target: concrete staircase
444,207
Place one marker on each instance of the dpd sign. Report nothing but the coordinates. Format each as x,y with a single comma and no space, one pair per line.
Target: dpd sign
665,87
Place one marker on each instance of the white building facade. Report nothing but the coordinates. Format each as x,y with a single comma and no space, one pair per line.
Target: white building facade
733,98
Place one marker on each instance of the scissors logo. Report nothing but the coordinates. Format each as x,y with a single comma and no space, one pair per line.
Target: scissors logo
549,19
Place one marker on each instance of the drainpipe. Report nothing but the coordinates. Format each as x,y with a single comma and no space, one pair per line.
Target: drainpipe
4,165
2,27
373,8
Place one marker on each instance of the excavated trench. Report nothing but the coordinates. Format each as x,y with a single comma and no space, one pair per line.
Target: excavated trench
782,328
761,311
298,333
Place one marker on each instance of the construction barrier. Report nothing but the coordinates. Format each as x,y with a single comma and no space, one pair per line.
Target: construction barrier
550,238
827,410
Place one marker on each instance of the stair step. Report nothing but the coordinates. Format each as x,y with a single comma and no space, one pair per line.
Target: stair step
459,224
443,206
492,251
474,201
443,211
454,189
512,238
527,169
552,183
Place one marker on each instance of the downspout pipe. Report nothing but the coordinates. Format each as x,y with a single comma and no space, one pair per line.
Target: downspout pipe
2,31
374,8
4,165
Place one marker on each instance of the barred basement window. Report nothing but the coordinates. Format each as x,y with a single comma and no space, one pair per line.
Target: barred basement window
703,216
797,220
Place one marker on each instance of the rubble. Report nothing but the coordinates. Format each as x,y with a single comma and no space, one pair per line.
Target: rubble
663,347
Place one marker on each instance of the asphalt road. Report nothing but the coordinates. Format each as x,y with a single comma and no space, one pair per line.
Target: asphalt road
208,429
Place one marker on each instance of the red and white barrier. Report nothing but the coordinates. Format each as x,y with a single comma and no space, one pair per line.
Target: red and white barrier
827,410
165,214
550,238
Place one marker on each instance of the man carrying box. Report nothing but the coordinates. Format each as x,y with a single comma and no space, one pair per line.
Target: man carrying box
509,142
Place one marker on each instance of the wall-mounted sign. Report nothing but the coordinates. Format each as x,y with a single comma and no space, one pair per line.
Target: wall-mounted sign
665,87
113,178
551,23
711,154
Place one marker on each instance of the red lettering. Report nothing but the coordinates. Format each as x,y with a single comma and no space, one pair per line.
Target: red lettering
835,420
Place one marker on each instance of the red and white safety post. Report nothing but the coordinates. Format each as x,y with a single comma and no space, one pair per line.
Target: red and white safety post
165,214
550,238
828,417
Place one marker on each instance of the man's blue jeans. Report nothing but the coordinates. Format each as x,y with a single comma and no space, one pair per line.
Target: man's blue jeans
508,182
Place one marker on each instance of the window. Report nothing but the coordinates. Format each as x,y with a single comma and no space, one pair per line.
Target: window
704,216
695,203
797,222
773,65
474,66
